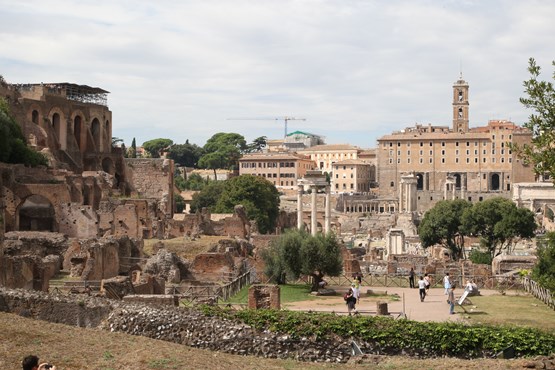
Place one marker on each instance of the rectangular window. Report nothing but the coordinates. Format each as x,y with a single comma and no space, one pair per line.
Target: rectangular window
467,160
431,160
443,152
457,160
442,160
421,160
443,143
456,143
475,160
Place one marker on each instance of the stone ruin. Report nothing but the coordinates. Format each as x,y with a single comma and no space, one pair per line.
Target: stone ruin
264,296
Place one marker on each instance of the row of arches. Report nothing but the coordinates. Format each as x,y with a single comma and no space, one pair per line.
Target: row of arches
100,132
494,181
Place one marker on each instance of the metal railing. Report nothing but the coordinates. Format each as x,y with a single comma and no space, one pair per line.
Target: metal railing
211,293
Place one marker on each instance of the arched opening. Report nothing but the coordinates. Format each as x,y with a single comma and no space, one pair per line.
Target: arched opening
56,124
108,166
95,131
77,130
419,181
495,183
36,214
35,117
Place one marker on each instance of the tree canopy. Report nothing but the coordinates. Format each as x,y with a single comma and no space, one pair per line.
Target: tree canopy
223,150
259,197
541,99
13,146
544,271
186,155
297,253
498,222
441,225
153,147
257,145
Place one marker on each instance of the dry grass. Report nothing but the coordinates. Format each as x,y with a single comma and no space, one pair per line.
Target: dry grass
78,348
184,247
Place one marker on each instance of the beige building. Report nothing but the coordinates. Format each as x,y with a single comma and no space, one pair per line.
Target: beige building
351,176
326,155
457,162
281,169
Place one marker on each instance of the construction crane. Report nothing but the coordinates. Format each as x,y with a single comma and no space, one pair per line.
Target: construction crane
284,119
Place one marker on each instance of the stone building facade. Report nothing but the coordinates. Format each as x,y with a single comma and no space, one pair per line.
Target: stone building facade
281,169
351,176
457,162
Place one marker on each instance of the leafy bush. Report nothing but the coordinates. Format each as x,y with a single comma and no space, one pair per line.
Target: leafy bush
479,257
385,335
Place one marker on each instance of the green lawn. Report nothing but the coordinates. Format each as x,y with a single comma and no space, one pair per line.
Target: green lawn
288,293
518,310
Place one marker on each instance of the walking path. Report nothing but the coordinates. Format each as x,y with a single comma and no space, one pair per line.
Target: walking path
434,307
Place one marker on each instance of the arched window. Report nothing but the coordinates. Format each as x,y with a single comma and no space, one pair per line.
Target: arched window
77,130
35,117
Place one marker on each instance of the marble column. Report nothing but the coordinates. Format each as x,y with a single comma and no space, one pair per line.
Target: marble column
313,220
300,207
327,228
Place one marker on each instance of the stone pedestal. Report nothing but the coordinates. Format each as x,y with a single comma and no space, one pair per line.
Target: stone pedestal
381,308
264,296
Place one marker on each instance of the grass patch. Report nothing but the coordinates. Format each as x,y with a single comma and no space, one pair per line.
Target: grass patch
288,293
516,310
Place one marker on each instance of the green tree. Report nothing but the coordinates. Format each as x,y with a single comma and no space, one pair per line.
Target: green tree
186,155
195,182
259,197
208,197
297,253
132,152
541,99
544,271
257,144
13,147
499,222
223,150
442,225
153,147
179,203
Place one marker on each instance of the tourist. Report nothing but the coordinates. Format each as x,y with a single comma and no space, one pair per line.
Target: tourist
351,300
428,281
322,284
356,290
451,299
31,362
446,283
422,289
411,277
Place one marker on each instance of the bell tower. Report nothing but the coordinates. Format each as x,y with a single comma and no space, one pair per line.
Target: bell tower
460,105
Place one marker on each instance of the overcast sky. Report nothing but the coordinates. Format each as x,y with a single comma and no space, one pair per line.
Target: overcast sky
356,70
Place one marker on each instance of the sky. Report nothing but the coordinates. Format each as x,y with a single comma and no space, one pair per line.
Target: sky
354,70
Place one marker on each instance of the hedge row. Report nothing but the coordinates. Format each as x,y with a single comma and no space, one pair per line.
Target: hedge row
385,335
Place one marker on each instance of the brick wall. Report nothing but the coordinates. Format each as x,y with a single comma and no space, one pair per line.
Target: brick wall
264,296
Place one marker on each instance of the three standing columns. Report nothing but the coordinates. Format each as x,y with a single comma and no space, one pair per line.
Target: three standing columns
313,209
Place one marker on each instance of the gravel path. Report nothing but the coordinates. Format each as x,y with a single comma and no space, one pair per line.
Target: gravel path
434,307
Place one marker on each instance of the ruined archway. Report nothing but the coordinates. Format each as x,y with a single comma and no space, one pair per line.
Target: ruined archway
36,213
95,131
77,128
59,126
35,116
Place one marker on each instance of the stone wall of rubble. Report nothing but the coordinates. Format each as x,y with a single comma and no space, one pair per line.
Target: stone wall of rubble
185,326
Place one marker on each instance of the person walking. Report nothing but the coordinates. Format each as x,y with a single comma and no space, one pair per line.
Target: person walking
446,283
422,289
350,300
428,281
451,300
355,286
411,277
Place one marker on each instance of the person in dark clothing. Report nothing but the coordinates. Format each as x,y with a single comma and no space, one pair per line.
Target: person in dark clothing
411,277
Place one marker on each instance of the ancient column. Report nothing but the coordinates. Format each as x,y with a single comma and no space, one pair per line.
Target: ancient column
327,228
313,221
401,196
300,207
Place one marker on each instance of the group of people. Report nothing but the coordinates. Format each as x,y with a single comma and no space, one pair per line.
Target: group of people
352,296
424,286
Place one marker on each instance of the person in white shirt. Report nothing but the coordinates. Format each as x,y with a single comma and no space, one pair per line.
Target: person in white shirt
422,288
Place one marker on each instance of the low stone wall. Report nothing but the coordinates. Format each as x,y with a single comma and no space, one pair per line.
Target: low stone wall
180,325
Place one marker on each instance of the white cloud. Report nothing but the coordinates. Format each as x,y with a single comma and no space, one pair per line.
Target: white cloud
355,69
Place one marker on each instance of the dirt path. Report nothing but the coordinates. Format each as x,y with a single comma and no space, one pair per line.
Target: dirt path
434,307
